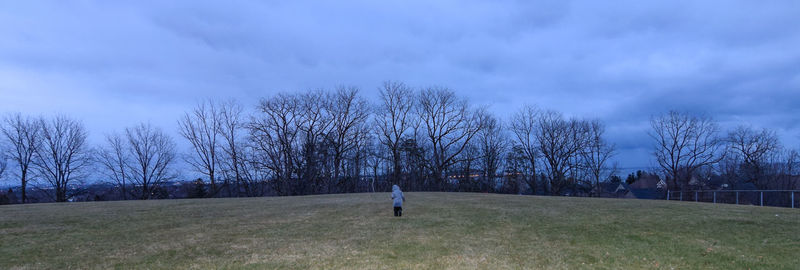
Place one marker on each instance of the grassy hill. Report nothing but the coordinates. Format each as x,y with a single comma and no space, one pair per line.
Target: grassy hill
438,230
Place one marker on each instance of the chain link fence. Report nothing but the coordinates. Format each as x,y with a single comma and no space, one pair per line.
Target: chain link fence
775,198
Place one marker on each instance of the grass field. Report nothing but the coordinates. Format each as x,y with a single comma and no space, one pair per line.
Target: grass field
438,230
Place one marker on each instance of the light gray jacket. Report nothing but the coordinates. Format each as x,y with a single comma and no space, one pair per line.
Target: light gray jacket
397,196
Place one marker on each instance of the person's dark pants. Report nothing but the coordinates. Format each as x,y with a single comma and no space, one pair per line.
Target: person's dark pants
398,211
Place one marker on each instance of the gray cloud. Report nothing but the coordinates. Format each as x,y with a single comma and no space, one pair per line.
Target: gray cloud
117,63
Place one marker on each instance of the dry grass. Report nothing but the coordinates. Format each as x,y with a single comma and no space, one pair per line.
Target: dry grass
439,230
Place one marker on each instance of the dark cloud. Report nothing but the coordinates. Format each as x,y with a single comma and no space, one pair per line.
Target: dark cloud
114,63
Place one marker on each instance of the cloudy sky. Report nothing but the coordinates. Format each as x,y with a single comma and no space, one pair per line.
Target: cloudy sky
117,63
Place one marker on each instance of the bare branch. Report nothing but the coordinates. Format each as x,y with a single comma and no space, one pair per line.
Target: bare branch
683,144
151,153
63,155
23,137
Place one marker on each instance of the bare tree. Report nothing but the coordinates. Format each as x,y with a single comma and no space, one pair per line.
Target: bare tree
355,165
525,127
394,120
560,142
376,155
201,127
63,155
467,168
516,168
239,160
492,142
273,133
349,113
115,159
314,124
234,162
728,168
449,126
751,149
683,144
254,178
415,164
152,153
3,161
23,135
786,169
597,153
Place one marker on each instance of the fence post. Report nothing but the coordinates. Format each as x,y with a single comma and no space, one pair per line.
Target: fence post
737,197
681,195
715,197
695,196
792,199
762,198
668,195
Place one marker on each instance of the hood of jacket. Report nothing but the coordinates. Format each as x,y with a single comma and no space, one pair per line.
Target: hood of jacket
397,196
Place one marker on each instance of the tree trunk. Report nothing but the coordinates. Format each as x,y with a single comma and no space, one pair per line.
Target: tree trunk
24,186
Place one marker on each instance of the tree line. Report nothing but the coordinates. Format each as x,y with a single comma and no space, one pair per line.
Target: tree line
334,141
691,147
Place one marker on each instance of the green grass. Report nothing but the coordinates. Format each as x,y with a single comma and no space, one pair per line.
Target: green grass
438,230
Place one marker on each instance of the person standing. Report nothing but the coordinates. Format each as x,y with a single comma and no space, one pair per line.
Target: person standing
398,199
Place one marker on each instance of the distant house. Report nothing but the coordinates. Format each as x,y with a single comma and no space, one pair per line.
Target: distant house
622,188
649,182
647,187
611,189
606,189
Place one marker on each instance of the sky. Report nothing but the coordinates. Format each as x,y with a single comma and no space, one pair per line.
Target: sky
114,64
